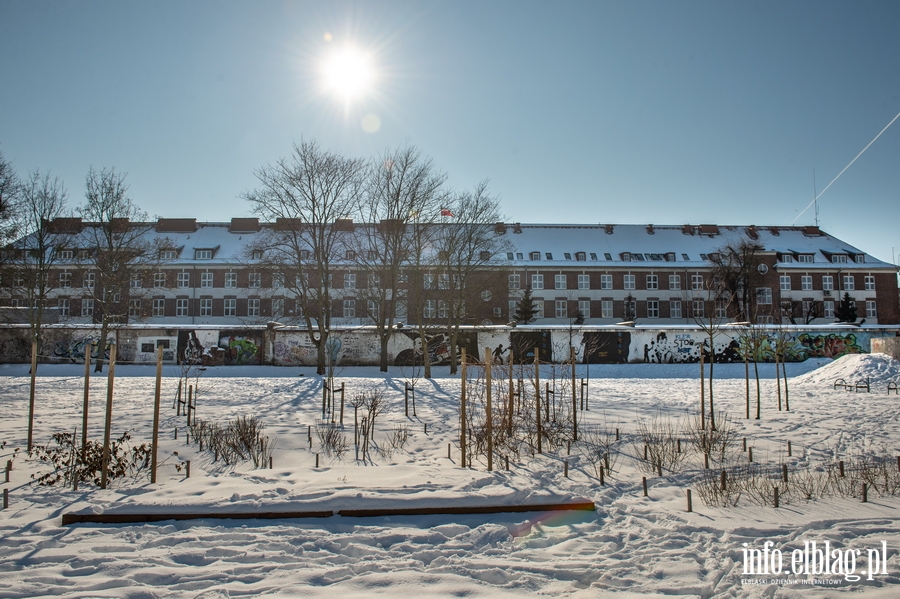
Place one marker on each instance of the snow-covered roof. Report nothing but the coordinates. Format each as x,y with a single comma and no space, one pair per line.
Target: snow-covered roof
560,245
685,245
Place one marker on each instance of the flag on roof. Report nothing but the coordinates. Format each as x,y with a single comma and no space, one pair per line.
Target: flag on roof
446,212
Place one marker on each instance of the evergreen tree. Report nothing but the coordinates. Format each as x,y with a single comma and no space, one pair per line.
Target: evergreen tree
525,310
846,311
629,309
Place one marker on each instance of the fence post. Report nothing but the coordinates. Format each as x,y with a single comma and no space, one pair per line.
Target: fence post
865,497
750,453
34,353
690,506
784,473
566,468
723,480
5,498
645,485
187,469
789,450
841,468
776,497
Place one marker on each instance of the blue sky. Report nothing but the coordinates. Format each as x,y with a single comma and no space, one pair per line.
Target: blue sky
625,112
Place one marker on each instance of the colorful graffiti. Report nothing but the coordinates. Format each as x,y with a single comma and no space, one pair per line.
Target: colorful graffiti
240,350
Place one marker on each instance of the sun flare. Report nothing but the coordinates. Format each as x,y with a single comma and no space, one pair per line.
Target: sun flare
348,73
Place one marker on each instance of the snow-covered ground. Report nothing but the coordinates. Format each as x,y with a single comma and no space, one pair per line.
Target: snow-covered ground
631,546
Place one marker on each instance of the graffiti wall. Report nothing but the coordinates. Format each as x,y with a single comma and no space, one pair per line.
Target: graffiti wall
360,346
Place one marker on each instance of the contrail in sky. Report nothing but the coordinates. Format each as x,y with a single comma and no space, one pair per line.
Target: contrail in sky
846,167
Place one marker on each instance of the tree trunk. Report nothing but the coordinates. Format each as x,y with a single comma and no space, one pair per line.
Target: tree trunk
101,346
385,337
712,361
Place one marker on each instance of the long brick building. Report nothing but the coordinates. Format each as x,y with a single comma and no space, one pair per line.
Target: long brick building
208,273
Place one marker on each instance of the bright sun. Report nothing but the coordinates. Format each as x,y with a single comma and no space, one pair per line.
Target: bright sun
348,73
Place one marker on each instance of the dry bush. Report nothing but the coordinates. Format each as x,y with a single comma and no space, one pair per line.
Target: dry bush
660,438
719,444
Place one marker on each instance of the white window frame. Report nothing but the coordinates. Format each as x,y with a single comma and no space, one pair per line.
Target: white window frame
63,305
675,309
849,283
764,296
870,283
182,305
628,282
230,280
253,307
584,281
784,282
206,279
652,309
89,279
871,309
206,306
515,281
827,283
828,309
183,280
696,282
584,307
606,281
653,282
537,281
159,307
675,282
561,309
806,283
87,306
560,281
606,309
349,280
254,280
229,307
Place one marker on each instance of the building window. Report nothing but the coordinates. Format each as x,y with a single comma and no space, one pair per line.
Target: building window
87,307
828,309
181,307
401,309
630,307
584,308
785,282
18,280
184,279
349,280
584,282
871,309
827,283
134,308
804,258
560,281
787,258
606,282
839,258
606,309
442,309
652,309
697,308
277,308
629,281
230,279
675,309
767,319
253,307
202,254
206,307
535,256
428,281
254,280
206,279
652,282
580,256
696,282
159,308
562,309
230,307
168,254
88,282
870,283
278,280
721,308
65,279
675,282
64,254
514,281
539,308
806,283
135,282
256,255
849,283
443,281
430,308
537,281
764,295
63,307
159,279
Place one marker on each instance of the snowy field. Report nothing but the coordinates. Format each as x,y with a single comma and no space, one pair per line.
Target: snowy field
631,546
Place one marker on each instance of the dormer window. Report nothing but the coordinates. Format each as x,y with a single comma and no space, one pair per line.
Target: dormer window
786,258
608,256
567,256
593,255
203,254
256,255
549,256
168,254
670,257
580,257
535,256
626,256
808,258
685,257
839,258
65,254
860,258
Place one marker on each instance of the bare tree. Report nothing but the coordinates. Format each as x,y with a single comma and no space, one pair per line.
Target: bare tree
467,245
310,197
736,265
9,187
404,189
708,307
39,246
120,248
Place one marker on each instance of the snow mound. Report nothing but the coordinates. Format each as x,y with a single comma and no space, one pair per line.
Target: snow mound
877,368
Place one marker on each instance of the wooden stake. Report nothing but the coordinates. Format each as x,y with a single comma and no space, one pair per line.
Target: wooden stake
841,468
489,416
187,469
789,453
512,396
723,481
155,443
784,473
690,505
574,397
87,395
5,498
462,408
645,485
865,489
750,453
34,352
775,497
111,377
537,396
566,468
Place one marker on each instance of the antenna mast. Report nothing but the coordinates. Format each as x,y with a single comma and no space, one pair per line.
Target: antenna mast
815,199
